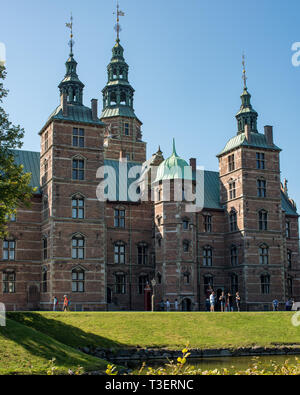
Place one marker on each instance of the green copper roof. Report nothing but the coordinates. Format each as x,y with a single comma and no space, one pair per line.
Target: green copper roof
122,111
76,113
258,140
31,162
173,168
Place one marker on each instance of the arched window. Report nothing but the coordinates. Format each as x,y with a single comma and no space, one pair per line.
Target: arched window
78,280
143,281
9,250
207,256
142,253
261,188
9,282
78,206
78,246
119,253
44,280
233,221
120,283
264,254
234,283
234,255
265,284
113,99
208,284
123,98
186,245
263,220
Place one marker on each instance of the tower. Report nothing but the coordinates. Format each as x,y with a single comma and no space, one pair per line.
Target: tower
251,196
72,217
123,136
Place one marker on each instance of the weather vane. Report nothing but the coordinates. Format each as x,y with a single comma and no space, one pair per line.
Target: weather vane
70,26
118,28
244,72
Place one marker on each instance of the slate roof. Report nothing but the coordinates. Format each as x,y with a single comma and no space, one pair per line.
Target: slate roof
31,162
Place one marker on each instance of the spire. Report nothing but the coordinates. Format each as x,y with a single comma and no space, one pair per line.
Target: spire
71,85
247,115
118,28
174,148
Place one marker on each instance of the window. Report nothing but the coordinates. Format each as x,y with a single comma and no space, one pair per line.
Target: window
45,207
289,286
78,208
159,278
45,248
78,245
45,171
233,221
289,259
120,284
264,254
234,256
78,137
260,161
287,229
143,281
207,256
142,254
208,284
119,253
186,278
263,220
231,165
9,282
46,141
77,280
119,218
78,169
185,224
9,250
126,129
207,223
186,246
265,284
234,283
261,188
232,190
44,280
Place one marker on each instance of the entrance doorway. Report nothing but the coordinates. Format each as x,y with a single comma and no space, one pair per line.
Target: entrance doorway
186,304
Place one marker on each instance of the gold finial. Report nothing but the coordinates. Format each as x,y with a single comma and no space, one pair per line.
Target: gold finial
244,72
118,28
70,26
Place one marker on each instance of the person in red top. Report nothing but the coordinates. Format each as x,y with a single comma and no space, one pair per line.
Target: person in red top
66,303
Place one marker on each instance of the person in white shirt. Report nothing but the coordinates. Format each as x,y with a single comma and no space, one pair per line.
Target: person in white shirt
176,305
212,301
168,305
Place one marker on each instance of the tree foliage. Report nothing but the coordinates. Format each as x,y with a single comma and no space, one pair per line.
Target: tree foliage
14,183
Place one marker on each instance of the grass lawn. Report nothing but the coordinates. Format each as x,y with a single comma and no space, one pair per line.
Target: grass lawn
169,330
24,350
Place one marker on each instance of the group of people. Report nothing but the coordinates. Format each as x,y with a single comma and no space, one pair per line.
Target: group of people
227,302
66,303
166,305
288,305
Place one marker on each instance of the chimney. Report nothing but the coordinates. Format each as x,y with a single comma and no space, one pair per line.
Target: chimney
63,103
94,109
269,134
248,133
193,164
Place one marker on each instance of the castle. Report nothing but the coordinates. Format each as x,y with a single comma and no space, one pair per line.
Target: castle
105,254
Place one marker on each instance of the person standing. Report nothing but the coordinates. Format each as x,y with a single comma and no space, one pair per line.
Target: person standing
176,305
168,305
275,304
222,300
66,303
55,303
229,302
162,305
238,301
212,301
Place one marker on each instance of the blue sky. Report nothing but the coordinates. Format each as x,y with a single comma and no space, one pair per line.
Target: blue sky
185,64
